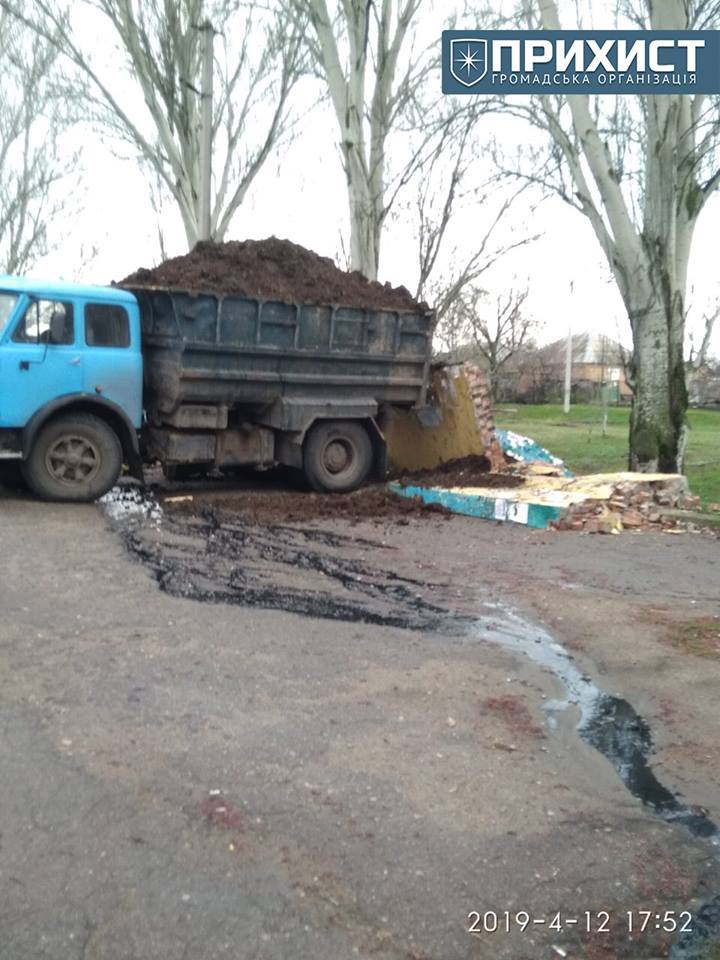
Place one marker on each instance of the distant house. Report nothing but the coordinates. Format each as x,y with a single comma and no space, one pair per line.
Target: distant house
538,375
596,360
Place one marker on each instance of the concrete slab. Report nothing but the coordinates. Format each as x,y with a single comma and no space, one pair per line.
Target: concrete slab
542,499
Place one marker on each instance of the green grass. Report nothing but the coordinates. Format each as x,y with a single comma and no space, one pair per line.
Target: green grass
577,438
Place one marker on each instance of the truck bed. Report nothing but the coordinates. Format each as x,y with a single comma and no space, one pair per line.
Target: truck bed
201,348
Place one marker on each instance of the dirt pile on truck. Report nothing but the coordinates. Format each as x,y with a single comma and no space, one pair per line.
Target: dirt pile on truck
271,269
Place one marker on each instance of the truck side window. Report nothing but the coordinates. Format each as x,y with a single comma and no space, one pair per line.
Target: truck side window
106,325
46,321
7,305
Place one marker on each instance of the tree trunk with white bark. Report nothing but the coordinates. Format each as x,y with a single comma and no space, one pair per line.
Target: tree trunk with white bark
657,374
646,235
357,50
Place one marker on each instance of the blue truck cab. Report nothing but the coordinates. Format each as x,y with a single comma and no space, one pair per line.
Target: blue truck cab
71,374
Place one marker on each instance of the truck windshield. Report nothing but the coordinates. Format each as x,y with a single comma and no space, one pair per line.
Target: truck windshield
7,304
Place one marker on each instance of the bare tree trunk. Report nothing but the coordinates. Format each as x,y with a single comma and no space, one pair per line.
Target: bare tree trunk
657,370
655,303
699,358
644,223
365,226
357,49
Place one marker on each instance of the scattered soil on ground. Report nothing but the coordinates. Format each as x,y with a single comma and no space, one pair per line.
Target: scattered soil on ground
515,714
699,637
374,504
218,811
271,269
472,471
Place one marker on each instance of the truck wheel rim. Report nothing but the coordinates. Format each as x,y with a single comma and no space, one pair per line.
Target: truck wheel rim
337,456
72,459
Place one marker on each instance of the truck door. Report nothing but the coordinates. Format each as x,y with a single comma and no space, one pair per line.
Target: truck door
40,360
112,366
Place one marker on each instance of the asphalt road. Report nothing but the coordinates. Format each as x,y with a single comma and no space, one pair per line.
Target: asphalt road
195,780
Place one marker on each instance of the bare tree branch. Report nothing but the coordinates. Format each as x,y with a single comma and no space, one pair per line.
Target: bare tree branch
445,186
699,358
488,329
358,50
160,45
34,111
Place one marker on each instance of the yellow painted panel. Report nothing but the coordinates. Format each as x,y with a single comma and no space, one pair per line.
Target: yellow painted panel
453,434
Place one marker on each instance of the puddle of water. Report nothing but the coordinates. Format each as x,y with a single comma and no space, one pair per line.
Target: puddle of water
607,723
126,502
616,730
613,727
506,628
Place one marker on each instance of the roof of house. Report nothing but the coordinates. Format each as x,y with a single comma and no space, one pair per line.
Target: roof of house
587,347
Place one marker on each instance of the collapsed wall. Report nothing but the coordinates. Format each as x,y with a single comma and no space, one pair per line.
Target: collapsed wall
458,423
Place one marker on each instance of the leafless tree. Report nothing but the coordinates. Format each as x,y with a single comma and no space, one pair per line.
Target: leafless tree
491,329
33,115
454,182
257,62
538,376
367,55
641,169
450,287
444,282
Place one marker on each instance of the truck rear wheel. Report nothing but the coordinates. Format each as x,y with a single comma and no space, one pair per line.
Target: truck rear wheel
74,457
337,456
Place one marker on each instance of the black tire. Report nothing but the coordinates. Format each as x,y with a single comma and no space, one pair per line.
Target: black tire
337,456
75,457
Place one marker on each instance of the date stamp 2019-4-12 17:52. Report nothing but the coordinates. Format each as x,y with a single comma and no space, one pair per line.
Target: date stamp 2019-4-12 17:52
486,923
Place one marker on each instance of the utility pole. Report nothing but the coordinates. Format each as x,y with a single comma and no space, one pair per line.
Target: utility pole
206,123
569,357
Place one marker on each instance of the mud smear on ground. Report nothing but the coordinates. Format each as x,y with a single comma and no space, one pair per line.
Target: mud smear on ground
219,556
217,559
271,269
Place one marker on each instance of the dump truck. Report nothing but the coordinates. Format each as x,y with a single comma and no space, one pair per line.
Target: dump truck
94,378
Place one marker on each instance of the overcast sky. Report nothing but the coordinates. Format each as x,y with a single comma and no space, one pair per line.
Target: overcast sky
301,195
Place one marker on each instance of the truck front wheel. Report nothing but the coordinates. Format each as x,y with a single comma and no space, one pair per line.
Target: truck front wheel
337,456
74,457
